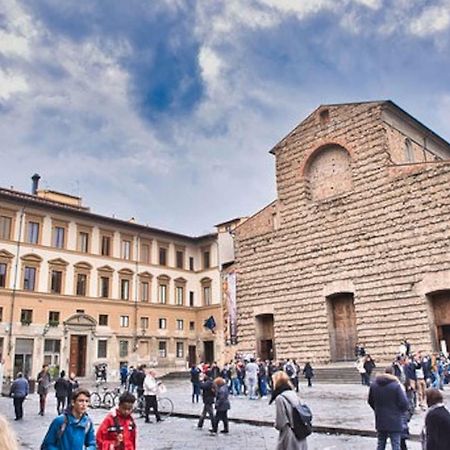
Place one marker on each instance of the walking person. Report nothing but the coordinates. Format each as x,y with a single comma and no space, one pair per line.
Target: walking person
44,382
222,405
208,394
19,391
251,378
361,370
73,385
150,396
388,400
436,434
74,429
369,365
61,392
195,380
118,429
308,373
285,401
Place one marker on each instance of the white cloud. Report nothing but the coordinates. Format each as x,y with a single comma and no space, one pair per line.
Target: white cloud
11,83
431,21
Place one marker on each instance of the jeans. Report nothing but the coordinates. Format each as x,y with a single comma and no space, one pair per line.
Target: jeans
18,406
195,391
221,416
251,387
263,386
236,386
395,438
207,411
60,404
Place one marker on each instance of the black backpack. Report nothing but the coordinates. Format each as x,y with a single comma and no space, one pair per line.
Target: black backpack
302,418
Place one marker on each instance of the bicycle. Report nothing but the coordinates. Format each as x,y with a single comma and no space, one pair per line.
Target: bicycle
109,399
165,407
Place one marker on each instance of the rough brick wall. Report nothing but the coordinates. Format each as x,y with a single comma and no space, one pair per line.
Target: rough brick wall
379,241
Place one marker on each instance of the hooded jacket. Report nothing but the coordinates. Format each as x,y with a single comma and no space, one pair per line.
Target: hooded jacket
388,399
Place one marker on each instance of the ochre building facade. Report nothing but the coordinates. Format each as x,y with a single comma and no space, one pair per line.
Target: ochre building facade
356,247
79,289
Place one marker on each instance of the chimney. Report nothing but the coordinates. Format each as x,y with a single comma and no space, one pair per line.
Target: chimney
35,185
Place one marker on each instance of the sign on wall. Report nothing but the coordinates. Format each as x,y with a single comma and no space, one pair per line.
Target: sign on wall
230,308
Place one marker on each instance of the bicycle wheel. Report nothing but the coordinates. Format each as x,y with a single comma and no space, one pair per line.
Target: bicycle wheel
109,400
96,400
139,406
165,407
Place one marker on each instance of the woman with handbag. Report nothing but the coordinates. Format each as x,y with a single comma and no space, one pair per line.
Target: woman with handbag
285,401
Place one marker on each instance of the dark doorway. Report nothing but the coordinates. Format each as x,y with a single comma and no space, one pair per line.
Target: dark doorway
343,335
441,308
265,336
209,351
192,355
77,363
23,357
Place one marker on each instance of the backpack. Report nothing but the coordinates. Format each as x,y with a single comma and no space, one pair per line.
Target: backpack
302,418
289,370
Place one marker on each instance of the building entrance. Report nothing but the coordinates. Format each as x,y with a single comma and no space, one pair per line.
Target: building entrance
77,361
209,351
192,355
343,336
441,308
23,357
265,347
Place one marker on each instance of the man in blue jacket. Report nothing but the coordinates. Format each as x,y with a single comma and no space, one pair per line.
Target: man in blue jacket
72,430
19,391
387,398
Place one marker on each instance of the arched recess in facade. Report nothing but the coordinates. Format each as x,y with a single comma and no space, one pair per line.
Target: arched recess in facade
79,330
328,172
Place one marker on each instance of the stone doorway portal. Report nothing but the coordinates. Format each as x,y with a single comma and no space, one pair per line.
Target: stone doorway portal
265,344
342,321
441,327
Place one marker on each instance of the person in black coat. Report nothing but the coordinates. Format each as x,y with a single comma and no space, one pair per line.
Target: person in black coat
62,387
388,400
208,394
222,405
308,372
437,422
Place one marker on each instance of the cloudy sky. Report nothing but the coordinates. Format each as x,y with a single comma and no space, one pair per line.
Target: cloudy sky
165,110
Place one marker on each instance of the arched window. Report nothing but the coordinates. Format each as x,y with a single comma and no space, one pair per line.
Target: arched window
329,172
409,151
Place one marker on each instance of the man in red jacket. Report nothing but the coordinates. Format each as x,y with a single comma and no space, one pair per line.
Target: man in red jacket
118,429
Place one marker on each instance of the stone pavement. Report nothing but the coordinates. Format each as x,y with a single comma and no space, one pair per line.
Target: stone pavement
333,406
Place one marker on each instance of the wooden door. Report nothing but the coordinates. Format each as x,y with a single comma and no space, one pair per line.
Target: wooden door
192,355
73,358
77,358
344,324
209,351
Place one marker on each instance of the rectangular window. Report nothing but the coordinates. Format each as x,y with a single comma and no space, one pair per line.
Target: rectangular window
207,295
179,291
145,290
162,256
81,284
5,227
106,246
206,260
102,348
52,346
180,324
126,249
26,316
124,321
191,263
144,323
103,320
83,242
59,237
145,253
162,324
180,350
162,293
53,318
191,298
104,287
191,326
180,259
80,311
3,268
29,279
162,347
33,232
123,349
1,320
56,282
125,289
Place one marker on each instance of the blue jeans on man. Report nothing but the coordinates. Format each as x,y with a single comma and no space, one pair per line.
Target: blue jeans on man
394,437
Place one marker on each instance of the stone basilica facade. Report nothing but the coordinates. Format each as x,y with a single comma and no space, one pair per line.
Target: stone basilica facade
356,247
